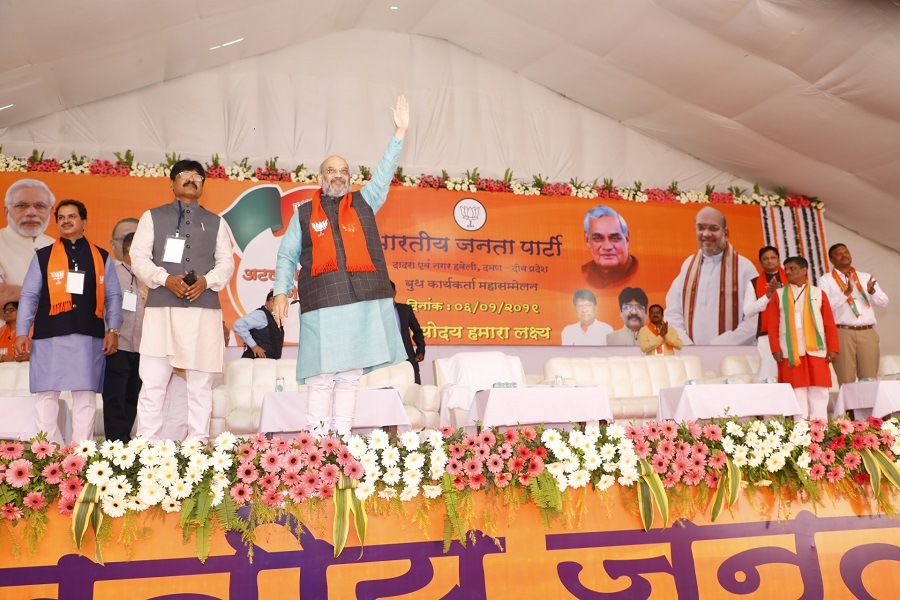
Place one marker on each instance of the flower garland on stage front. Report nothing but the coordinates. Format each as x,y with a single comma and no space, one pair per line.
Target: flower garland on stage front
471,181
698,467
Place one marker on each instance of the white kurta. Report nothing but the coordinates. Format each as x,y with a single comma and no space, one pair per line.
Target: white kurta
574,335
706,310
16,253
191,338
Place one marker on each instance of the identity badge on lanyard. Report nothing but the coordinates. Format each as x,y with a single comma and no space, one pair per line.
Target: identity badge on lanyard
174,250
75,281
129,301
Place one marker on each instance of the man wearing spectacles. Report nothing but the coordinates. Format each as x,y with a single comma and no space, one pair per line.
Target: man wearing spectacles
633,304
348,325
28,205
182,252
588,331
607,239
122,228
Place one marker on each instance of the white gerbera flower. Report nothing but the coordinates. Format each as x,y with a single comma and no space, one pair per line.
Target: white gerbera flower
220,461
414,460
124,459
357,445
113,507
378,440
391,475
579,479
409,440
99,473
170,504
432,491
365,489
225,441
606,482
191,446
151,494
409,492
86,448
387,493
390,456
435,438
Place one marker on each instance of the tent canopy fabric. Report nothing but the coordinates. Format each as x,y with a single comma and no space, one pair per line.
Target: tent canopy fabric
794,93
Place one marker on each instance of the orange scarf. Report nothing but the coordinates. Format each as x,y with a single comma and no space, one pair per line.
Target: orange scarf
729,303
838,277
811,335
324,252
58,275
761,283
655,331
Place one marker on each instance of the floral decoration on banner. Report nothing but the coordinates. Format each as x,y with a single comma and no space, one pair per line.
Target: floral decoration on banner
471,181
685,464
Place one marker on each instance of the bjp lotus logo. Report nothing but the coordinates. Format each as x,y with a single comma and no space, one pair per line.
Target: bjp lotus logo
470,214
319,226
58,277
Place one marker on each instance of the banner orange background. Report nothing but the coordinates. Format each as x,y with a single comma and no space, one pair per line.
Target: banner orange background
662,236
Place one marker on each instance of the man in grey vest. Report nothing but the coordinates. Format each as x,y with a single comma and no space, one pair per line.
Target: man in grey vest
347,320
183,253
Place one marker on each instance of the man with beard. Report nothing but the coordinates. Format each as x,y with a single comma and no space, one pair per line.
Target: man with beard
69,288
588,331
633,304
704,301
656,337
28,204
756,302
348,325
803,339
183,253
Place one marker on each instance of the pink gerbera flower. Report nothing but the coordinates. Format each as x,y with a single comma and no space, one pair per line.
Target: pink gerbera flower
524,479
827,457
680,465
270,461
330,444
505,451
290,478
682,448
246,452
511,436
269,481
494,463
817,424
694,429
280,445
875,422
712,480
529,433
523,452
71,486
816,472
42,448
815,451
459,483
34,500
293,461
241,493
273,498
669,429
693,477
476,481
540,452
52,473
635,434
844,426
326,490
304,440
18,473
871,441
11,512
66,504
652,431
472,466
454,466
712,432
314,458
660,463
642,448
666,448
247,473
698,461
835,474
852,461
311,479
515,464
535,466
299,493
487,438
671,479
259,442
860,425
446,432
700,448
502,479
717,460
73,464
344,457
456,451
481,451
329,473
11,450
353,469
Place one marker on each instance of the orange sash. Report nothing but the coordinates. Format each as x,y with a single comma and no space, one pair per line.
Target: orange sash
58,275
729,303
761,283
324,251
843,285
655,331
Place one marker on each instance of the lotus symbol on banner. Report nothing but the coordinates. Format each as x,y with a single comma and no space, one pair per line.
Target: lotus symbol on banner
470,213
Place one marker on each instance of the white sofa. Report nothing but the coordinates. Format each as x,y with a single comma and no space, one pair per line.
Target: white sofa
632,382
238,399
14,382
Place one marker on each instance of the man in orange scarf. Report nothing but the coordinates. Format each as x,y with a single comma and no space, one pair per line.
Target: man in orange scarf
803,338
348,325
756,302
69,287
656,337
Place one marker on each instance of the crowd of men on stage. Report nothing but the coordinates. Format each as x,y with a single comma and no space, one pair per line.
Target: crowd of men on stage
143,324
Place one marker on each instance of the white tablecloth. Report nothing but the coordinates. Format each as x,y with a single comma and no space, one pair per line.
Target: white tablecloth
868,398
285,412
536,405
17,422
689,402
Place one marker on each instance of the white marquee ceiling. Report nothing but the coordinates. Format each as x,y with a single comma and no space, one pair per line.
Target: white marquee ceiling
799,93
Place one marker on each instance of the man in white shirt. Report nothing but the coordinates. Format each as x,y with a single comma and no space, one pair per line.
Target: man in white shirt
28,205
693,304
588,331
853,295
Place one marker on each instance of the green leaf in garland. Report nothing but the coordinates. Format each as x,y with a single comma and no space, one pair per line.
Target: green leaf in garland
341,519
87,512
719,499
645,503
656,489
887,467
870,464
360,518
734,480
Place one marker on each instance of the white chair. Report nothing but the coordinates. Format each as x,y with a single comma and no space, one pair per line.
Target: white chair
460,376
889,367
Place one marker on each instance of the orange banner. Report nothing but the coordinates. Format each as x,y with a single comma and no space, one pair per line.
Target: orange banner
485,268
840,550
